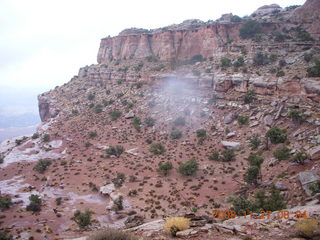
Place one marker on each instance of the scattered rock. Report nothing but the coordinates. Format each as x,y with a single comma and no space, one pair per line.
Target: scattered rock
229,118
186,233
129,115
231,145
107,189
230,135
268,120
134,221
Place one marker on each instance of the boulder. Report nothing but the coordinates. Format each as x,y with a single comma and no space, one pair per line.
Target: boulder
306,178
314,152
134,221
229,118
186,233
107,189
231,145
230,135
268,120
129,115
267,9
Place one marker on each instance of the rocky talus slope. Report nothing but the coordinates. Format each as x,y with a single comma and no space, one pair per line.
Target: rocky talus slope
196,91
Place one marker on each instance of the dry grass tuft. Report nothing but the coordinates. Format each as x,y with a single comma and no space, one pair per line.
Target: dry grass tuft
175,224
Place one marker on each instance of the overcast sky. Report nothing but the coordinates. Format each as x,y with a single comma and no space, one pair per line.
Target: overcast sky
44,42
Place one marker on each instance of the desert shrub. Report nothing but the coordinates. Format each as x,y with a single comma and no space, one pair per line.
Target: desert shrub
282,153
118,204
249,96
255,160
123,69
149,121
215,156
5,202
260,59
119,179
303,35
255,141
93,134
83,219
107,102
300,157
1,158
277,135
250,28
111,234
315,187
280,73
188,168
115,150
201,133
314,71
243,119
157,148
138,85
138,67
279,37
242,205
5,236
275,201
42,165
225,62
108,92
164,168
58,201
228,155
46,137
180,121
98,108
136,121
119,95
297,116
152,59
196,58
236,18
35,136
308,228
35,203
239,62
174,224
176,134
308,57
91,96
158,68
252,175
115,114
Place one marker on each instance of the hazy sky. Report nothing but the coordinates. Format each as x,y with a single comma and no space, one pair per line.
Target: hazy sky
44,42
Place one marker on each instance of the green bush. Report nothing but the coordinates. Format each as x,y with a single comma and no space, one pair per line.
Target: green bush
111,234
98,108
118,204
280,73
35,135
297,116
239,62
228,155
225,62
250,28
93,134
176,134
249,96
315,187
115,114
282,153
119,179
157,148
252,175
46,138
136,121
242,206
315,70
188,168
91,96
115,150
300,158
243,119
149,121
1,158
255,160
164,168
255,141
5,202
35,203
138,67
260,59
180,121
82,219
5,236
308,57
214,156
201,133
277,135
42,165
196,58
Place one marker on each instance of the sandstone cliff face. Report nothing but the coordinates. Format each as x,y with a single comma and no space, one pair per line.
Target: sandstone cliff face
179,44
46,108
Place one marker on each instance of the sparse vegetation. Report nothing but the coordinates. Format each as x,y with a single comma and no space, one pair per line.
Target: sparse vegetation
260,59
91,96
119,179
225,62
35,136
136,121
5,203
111,234
308,228
277,135
314,71
296,116
282,153
176,134
188,168
300,158
115,114
83,219
255,141
93,134
243,119
149,121
315,187
157,148
215,156
46,137
164,168
227,155
35,203
249,96
174,224
115,151
42,165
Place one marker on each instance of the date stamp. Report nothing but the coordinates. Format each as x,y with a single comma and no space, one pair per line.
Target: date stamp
281,214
